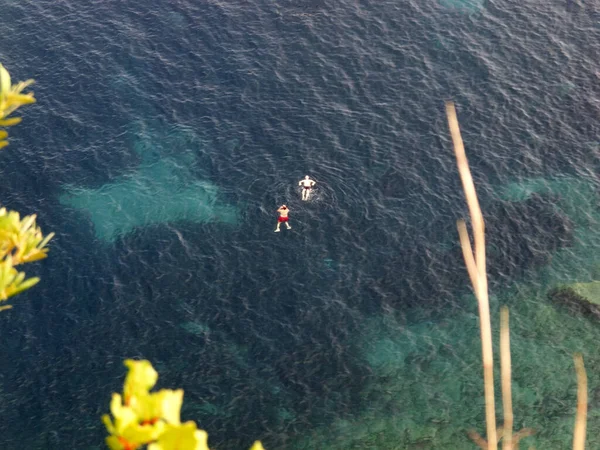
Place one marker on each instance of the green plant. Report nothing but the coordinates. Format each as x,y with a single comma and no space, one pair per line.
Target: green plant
149,418
11,98
21,241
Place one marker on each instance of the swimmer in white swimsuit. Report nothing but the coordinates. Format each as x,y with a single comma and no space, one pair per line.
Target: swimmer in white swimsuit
307,185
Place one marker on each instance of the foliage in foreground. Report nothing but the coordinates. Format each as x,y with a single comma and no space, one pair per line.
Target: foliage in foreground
141,417
21,241
11,98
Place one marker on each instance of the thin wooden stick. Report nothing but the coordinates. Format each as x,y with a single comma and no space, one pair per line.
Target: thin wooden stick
481,286
505,368
468,187
525,432
465,244
582,400
475,437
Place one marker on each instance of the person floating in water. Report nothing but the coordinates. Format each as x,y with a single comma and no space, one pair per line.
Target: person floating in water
307,185
283,217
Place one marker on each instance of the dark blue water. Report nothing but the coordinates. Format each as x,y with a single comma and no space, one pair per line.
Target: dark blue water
166,135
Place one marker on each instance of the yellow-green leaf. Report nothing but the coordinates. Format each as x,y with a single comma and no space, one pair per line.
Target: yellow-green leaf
170,405
10,122
181,437
20,99
45,240
4,81
127,424
17,289
140,378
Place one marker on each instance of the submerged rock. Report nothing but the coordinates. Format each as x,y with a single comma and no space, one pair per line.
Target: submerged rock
582,298
525,234
196,328
466,6
163,189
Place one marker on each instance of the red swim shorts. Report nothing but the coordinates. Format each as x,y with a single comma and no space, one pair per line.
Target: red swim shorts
282,219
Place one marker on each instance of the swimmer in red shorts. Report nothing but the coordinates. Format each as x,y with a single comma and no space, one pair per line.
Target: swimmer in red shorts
283,217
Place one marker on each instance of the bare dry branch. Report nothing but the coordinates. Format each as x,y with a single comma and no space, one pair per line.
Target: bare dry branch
476,437
465,244
505,367
582,400
525,432
480,286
